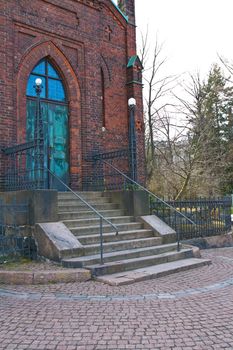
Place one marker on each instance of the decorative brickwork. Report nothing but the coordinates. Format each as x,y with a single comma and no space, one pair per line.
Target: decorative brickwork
89,43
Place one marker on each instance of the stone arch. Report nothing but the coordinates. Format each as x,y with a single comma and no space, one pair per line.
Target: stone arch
49,50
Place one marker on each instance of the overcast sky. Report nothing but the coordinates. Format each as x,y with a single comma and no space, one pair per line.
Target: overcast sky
192,31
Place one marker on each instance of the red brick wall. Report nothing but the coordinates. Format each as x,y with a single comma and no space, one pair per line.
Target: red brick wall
80,37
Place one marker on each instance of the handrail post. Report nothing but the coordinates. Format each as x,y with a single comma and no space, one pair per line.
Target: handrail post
178,240
101,242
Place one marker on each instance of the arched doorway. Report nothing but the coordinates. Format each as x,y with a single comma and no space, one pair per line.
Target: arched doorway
54,109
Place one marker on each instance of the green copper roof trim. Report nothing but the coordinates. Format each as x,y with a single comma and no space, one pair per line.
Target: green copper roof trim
125,17
132,61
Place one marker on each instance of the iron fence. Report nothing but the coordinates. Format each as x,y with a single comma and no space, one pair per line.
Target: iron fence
211,216
24,166
102,177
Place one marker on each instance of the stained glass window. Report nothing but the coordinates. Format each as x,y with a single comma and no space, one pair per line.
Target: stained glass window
56,90
39,68
52,72
52,85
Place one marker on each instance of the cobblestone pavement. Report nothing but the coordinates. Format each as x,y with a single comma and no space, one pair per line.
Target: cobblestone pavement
188,310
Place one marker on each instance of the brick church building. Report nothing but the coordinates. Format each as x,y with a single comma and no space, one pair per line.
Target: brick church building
84,51
72,140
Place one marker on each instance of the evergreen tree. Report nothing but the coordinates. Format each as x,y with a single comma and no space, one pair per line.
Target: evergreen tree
213,124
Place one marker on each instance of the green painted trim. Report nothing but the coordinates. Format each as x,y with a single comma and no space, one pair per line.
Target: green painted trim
125,17
132,61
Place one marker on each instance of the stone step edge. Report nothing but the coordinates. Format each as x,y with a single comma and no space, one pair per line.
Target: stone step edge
136,263
85,207
120,252
120,234
94,219
144,274
83,223
143,258
74,198
81,192
89,260
102,212
93,227
83,195
43,277
96,245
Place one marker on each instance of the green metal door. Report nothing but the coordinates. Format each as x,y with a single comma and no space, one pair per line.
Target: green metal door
55,130
54,112
57,141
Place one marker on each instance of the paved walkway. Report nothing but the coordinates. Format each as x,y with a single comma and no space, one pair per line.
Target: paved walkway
189,310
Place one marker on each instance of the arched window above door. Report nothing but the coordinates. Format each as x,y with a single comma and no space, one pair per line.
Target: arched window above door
53,88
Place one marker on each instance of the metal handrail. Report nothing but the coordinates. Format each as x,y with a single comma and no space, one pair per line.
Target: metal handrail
152,195
101,217
20,147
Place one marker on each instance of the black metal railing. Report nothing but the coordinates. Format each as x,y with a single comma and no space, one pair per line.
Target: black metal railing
130,184
189,218
13,243
211,216
24,166
98,214
100,177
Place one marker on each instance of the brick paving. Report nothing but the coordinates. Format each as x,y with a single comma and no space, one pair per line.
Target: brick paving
189,310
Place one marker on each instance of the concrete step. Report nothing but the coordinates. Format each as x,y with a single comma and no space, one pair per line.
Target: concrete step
95,222
89,214
118,255
77,202
151,272
112,237
90,230
84,195
133,255
75,207
136,263
121,245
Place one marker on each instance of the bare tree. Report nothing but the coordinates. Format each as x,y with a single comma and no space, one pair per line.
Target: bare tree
188,160
176,154
209,113
156,88
189,147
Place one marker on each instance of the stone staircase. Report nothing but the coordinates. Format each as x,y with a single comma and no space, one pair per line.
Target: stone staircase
136,253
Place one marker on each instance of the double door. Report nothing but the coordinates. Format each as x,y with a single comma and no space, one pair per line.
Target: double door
56,140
